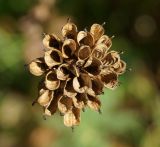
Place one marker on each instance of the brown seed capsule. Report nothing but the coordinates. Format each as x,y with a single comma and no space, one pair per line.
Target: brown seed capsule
94,68
53,57
68,48
121,68
65,104
37,67
72,118
45,97
69,30
97,85
85,38
63,72
80,100
93,103
82,83
111,58
83,53
69,89
97,31
51,41
105,40
52,108
99,51
51,81
110,80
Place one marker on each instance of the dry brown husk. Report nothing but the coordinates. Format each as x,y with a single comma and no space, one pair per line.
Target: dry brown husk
105,40
63,72
97,31
53,57
37,67
85,38
68,48
110,80
69,30
51,81
72,117
52,42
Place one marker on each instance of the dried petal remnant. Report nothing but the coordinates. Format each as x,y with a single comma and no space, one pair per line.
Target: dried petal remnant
76,69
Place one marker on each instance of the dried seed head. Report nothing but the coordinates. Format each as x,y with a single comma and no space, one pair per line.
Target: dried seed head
76,69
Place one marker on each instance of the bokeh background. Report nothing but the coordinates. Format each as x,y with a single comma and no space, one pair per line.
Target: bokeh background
130,114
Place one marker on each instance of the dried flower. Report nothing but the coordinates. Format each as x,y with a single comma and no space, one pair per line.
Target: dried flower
76,70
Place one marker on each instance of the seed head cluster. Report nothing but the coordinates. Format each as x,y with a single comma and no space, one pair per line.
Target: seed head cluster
75,71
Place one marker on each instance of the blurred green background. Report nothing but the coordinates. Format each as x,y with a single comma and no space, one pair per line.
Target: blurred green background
130,114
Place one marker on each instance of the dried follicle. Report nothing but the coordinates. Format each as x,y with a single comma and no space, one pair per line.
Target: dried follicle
69,30
75,70
68,48
51,81
97,31
85,38
51,42
53,57
37,67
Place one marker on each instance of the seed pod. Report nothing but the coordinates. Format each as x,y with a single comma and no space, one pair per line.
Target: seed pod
37,67
110,80
65,104
53,57
121,67
94,68
52,108
68,48
63,72
84,52
85,38
45,97
51,81
52,41
69,89
105,40
80,100
72,117
97,85
99,51
93,103
69,30
82,83
111,58
97,31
